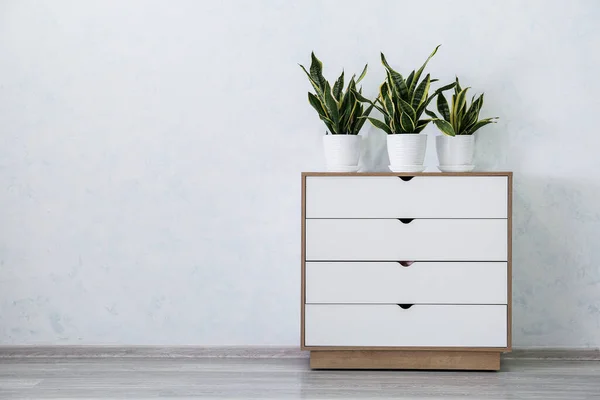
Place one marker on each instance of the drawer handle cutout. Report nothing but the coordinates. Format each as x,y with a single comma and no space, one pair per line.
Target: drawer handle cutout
405,306
406,220
405,263
406,178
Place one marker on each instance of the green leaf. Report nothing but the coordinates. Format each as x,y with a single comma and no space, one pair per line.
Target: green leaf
338,87
317,105
399,84
362,119
384,90
442,106
386,98
378,124
351,117
467,122
438,91
458,108
460,102
471,115
388,105
331,106
417,76
406,108
431,114
396,80
330,127
421,124
345,108
362,74
407,124
363,99
444,126
345,104
350,82
421,92
314,84
480,124
458,88
410,78
385,63
316,71
475,104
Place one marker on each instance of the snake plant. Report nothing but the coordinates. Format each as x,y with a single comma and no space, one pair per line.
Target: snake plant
403,101
340,110
460,119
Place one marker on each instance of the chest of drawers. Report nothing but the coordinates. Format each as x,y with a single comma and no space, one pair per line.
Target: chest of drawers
406,271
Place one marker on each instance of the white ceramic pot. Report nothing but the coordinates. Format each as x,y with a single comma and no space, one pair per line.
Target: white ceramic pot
406,151
342,152
455,153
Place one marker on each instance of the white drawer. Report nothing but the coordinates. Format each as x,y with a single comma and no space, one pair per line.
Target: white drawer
420,197
419,326
420,283
419,240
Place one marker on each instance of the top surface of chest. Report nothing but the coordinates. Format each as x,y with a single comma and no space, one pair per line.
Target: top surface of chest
427,195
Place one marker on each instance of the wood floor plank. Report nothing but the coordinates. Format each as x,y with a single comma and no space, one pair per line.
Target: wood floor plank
286,379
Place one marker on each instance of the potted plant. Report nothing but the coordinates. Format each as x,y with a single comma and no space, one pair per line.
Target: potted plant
455,148
342,113
402,103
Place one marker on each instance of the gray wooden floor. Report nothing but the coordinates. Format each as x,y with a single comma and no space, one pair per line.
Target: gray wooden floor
116,378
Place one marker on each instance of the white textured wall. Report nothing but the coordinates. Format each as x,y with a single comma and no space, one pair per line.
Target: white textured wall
150,154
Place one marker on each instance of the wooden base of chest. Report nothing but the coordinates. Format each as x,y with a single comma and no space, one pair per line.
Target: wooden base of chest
405,359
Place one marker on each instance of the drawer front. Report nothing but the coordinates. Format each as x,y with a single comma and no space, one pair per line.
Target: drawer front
419,240
419,326
420,197
419,283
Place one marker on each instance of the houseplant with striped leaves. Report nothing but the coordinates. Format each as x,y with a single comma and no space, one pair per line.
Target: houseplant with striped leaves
402,102
458,121
342,113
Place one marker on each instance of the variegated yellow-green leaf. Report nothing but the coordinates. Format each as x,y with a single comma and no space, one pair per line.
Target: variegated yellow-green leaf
410,78
458,88
406,108
363,118
444,126
407,124
353,115
480,124
460,105
378,124
415,80
314,84
431,114
331,105
421,124
420,94
338,86
393,122
442,106
461,101
395,79
438,91
317,105
386,97
384,89
316,71
363,99
362,74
